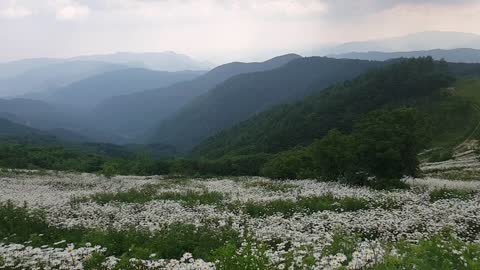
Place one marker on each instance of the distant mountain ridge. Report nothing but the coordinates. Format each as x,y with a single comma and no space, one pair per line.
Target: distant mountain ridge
87,93
461,55
161,61
412,42
132,115
36,75
52,76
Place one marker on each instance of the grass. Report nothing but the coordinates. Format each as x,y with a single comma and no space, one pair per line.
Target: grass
18,225
444,193
442,251
192,198
15,172
305,204
454,117
469,88
456,174
273,186
150,193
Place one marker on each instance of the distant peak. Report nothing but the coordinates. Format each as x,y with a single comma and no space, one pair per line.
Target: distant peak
289,56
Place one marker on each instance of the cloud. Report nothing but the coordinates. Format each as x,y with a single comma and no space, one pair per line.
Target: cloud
72,12
69,9
217,30
13,11
344,9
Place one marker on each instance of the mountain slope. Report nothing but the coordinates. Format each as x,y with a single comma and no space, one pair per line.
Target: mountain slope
338,107
12,131
38,114
246,95
132,115
454,55
412,42
86,94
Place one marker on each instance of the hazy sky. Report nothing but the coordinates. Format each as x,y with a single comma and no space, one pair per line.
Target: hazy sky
216,30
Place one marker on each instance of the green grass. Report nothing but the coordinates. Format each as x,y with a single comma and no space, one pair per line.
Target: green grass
454,116
469,88
456,174
192,198
150,193
271,185
441,252
18,225
305,204
444,193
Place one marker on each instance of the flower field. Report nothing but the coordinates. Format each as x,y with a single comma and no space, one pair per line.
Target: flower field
83,221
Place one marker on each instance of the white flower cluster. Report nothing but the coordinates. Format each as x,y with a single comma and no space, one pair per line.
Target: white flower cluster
25,257
187,262
407,215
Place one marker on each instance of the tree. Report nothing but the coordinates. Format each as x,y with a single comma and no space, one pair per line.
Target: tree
389,142
293,164
334,156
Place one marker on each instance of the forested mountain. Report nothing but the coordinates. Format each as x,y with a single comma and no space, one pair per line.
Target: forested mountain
10,129
412,42
52,76
87,93
132,115
454,55
16,132
338,107
245,95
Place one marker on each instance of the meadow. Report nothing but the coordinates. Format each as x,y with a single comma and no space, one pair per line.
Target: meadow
54,220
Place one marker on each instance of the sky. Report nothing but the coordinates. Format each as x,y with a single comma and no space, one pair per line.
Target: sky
216,30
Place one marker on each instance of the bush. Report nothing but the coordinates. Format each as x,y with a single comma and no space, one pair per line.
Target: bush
293,164
334,156
305,204
444,193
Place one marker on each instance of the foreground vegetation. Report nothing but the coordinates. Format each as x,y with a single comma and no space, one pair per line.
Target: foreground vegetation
92,222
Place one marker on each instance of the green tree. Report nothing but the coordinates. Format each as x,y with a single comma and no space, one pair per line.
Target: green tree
334,156
293,164
389,142
109,169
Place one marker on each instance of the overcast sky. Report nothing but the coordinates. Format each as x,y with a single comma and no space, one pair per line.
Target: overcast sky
216,30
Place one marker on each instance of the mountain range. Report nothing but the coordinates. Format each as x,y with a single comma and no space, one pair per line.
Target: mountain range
420,41
87,93
411,82
462,55
36,75
132,115
246,95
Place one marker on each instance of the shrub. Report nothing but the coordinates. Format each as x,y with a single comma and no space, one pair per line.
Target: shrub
305,204
442,251
444,193
293,164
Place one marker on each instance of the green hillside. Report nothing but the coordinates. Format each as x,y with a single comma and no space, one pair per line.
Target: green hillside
408,82
245,95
